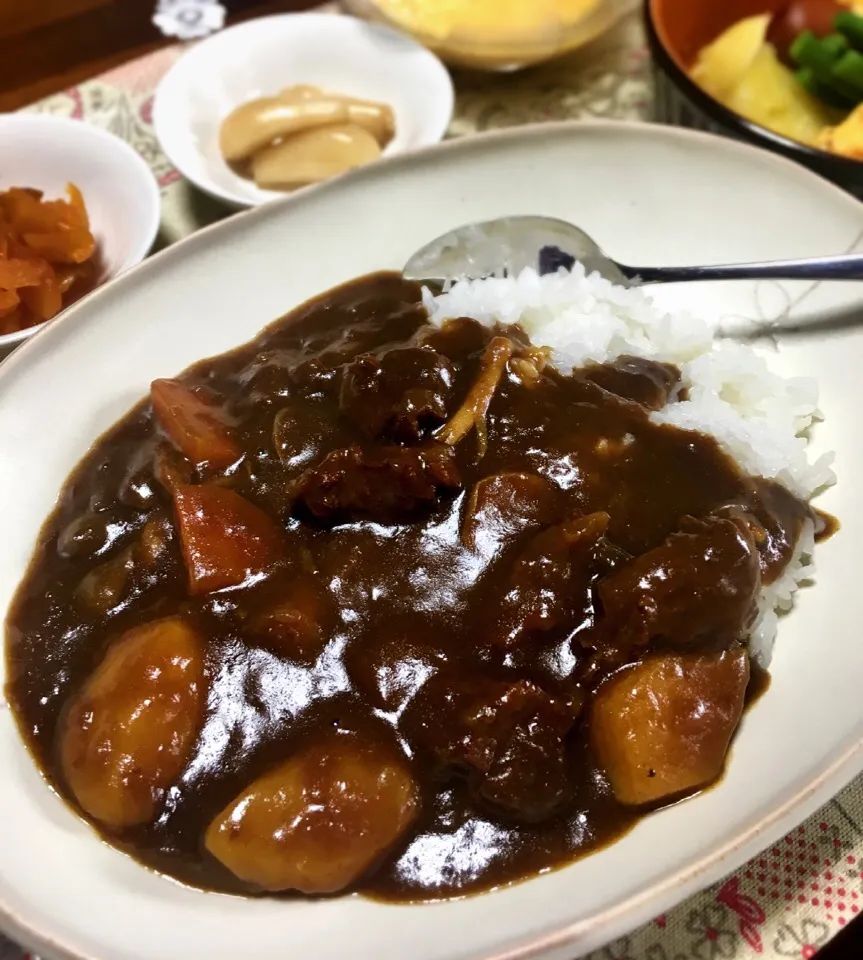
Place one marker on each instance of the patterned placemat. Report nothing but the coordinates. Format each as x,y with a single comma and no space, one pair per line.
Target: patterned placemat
788,902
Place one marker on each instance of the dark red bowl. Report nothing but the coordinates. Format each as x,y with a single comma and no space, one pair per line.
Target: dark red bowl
677,30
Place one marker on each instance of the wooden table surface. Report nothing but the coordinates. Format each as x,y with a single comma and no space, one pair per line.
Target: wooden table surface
48,45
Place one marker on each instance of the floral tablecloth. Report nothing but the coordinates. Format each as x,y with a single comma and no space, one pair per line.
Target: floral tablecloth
794,897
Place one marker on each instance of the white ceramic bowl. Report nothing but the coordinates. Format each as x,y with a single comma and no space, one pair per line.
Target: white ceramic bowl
263,56
119,189
640,191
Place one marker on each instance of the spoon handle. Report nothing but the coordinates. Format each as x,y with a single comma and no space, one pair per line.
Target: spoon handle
848,266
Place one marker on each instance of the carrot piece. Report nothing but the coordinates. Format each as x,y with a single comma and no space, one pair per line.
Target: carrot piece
226,540
81,276
34,234
19,202
9,301
73,245
22,273
45,301
67,276
18,319
76,201
21,207
193,425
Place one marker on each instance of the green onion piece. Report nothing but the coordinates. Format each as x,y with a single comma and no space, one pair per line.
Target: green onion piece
811,53
851,27
835,44
808,51
827,95
849,72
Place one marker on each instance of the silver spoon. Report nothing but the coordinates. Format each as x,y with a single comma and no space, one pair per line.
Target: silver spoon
510,244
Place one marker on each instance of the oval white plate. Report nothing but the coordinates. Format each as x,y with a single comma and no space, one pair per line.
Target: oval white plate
265,55
649,195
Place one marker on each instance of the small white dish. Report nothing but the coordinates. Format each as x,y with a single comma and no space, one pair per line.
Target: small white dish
119,189
263,56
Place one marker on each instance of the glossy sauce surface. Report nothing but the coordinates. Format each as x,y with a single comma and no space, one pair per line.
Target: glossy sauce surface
452,607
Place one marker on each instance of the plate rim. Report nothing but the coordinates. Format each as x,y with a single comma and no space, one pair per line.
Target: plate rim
657,896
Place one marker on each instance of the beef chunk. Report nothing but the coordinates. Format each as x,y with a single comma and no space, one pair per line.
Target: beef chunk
302,433
297,626
702,582
549,587
506,738
775,518
399,396
389,484
646,382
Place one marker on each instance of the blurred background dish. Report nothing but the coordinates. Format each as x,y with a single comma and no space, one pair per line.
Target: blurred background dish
678,31
496,34
268,55
119,191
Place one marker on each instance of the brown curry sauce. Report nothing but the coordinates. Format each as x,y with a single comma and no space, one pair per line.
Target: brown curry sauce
422,605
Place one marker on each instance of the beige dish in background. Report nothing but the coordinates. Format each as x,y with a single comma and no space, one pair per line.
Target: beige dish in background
497,35
639,191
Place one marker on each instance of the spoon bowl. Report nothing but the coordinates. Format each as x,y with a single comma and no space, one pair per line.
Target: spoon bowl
508,245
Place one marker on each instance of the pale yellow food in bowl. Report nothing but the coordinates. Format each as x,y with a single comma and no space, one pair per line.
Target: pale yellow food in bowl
507,20
304,135
497,34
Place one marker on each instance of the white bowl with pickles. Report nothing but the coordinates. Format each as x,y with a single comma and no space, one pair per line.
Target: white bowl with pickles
288,101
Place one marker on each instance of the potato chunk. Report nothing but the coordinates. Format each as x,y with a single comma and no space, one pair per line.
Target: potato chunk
722,64
662,727
318,821
846,138
193,426
128,733
226,539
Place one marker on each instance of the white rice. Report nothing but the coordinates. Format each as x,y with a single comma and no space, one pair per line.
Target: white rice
760,419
